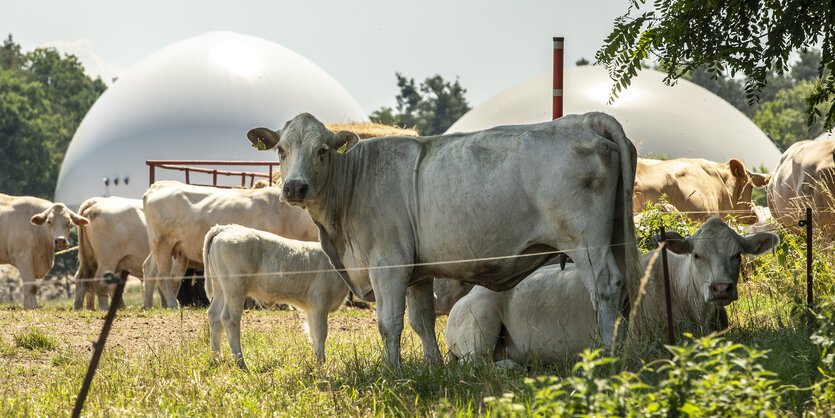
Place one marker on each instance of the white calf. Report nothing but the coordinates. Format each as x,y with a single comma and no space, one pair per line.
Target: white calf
241,262
548,317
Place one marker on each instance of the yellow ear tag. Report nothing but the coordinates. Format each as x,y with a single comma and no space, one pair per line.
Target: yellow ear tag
343,148
260,145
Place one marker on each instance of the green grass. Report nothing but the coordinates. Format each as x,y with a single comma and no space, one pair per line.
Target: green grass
34,339
41,369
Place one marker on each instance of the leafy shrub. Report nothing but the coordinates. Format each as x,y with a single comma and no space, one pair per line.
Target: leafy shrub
708,377
648,224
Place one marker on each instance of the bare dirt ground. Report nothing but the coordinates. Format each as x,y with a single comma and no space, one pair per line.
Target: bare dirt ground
140,332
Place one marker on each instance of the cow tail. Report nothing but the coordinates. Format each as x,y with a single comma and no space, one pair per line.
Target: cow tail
207,264
624,243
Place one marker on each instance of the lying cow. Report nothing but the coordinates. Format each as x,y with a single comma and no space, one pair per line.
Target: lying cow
805,178
698,187
394,211
243,262
30,230
447,292
179,216
116,239
548,317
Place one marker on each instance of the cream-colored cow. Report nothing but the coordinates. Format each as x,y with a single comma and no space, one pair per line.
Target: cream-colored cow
30,230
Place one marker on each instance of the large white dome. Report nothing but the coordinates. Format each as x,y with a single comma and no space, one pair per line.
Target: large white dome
681,121
195,99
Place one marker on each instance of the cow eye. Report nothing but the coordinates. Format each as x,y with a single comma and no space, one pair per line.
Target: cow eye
697,256
321,151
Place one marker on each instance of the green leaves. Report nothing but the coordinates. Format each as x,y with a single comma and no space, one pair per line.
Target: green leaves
706,377
44,98
746,37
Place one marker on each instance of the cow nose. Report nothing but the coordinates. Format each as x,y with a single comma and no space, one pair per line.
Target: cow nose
295,190
721,290
61,243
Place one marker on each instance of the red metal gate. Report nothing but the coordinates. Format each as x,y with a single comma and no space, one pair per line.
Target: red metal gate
188,167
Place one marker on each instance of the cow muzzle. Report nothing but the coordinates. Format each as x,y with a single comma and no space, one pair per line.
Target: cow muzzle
723,293
295,190
61,243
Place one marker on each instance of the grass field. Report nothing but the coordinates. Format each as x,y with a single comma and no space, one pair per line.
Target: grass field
157,362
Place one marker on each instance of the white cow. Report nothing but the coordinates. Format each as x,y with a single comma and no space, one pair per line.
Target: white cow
241,262
179,216
406,207
30,230
547,317
116,239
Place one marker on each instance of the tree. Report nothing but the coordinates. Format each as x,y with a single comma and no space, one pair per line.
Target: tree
430,108
753,38
43,98
783,118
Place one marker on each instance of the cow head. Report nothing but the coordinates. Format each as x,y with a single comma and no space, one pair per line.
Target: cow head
305,149
58,219
742,184
714,254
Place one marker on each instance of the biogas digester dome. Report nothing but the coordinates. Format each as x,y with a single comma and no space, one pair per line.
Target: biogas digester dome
195,100
681,121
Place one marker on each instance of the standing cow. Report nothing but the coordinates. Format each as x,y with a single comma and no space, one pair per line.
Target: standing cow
116,239
396,212
698,187
30,230
179,216
805,178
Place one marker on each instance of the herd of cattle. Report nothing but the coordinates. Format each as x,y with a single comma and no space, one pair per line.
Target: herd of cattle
383,218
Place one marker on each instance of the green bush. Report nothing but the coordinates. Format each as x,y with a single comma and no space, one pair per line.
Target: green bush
708,377
653,216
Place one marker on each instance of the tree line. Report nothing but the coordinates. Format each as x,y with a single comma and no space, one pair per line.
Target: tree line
43,97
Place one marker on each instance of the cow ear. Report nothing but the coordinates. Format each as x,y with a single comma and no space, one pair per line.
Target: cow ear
78,219
759,243
737,168
759,180
677,243
343,141
263,139
38,219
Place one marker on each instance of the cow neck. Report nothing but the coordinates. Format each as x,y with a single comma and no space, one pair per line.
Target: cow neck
684,307
333,199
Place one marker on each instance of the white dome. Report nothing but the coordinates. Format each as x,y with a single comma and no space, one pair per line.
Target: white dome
681,121
195,100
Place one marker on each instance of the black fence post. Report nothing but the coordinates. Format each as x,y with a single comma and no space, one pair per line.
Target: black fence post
99,346
670,331
810,293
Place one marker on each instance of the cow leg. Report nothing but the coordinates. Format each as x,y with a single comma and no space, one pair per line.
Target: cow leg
149,275
30,289
178,268
230,317
101,287
317,322
605,284
215,325
91,299
390,291
80,291
421,304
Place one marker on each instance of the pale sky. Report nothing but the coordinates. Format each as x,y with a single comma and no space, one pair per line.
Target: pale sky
489,45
